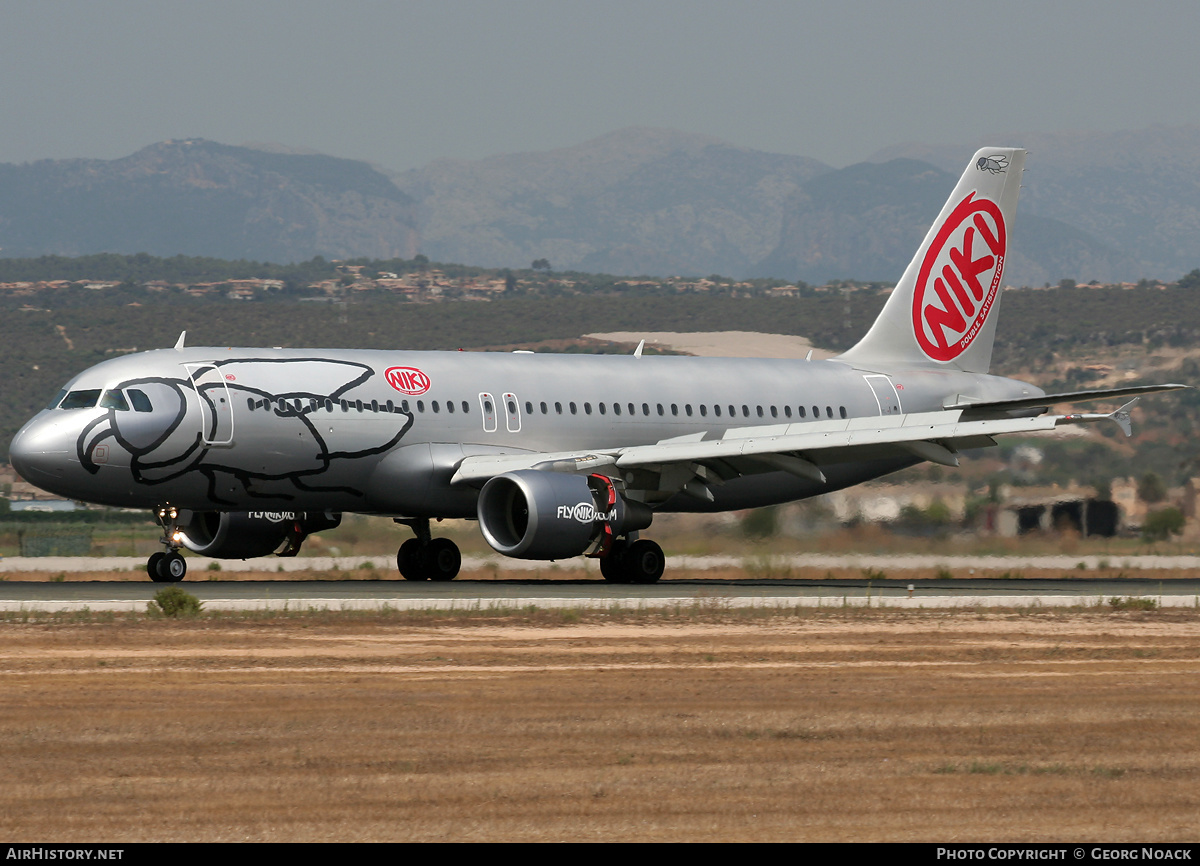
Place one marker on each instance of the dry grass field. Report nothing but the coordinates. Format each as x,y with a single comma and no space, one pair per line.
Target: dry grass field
856,725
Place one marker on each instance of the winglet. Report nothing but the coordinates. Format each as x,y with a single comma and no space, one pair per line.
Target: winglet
179,342
1121,416
637,353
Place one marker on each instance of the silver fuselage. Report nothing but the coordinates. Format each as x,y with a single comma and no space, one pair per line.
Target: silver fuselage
382,431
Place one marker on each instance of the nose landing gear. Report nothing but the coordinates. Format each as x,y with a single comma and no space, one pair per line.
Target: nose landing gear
167,566
425,557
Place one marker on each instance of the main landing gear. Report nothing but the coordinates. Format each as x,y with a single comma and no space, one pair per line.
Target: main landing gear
167,566
633,561
427,558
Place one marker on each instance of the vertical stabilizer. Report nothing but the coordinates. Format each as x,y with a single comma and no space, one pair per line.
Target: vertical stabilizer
943,311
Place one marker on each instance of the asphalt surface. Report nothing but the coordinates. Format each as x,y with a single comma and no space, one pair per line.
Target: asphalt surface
516,593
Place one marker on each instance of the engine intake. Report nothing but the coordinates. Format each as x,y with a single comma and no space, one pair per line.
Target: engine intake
535,514
247,534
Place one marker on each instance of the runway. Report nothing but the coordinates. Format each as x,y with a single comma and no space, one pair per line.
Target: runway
518,594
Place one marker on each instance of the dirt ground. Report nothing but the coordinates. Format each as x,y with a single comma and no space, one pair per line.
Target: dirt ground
858,725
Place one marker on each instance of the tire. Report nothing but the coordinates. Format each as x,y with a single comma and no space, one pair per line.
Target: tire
441,560
644,562
612,566
172,567
408,560
152,565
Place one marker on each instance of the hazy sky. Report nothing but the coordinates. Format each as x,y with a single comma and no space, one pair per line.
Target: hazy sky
403,83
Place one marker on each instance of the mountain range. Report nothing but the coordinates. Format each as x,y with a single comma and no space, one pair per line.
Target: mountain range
1107,207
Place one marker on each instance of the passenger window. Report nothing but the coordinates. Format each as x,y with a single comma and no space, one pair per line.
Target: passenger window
816,412
732,411
660,409
842,411
557,408
573,412
435,407
802,411
466,407
703,411
450,406
542,406
674,409
787,410
646,409
616,408
828,411
420,405
529,407
688,409
587,408
114,399
81,399
774,412
602,409
745,411
760,411
632,409
717,409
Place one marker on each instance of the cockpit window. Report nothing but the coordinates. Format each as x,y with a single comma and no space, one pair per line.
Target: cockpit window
57,399
141,403
81,399
114,400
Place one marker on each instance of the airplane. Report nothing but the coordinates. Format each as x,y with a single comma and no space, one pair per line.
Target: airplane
242,453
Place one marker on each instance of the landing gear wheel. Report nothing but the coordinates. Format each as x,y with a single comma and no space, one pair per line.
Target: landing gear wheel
408,560
441,560
612,565
174,566
152,565
171,568
644,562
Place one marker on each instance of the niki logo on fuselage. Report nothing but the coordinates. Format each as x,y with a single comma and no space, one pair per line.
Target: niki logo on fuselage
959,276
407,380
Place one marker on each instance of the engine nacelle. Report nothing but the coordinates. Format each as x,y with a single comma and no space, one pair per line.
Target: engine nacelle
247,534
535,514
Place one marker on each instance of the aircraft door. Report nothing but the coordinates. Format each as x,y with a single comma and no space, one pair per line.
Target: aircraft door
214,402
487,406
513,408
885,394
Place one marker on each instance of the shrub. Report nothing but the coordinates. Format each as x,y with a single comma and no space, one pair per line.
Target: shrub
1160,524
174,601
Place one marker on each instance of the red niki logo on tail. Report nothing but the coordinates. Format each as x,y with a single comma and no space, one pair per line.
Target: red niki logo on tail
407,380
960,274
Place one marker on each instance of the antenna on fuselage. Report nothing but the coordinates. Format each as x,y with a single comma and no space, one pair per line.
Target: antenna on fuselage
179,342
637,353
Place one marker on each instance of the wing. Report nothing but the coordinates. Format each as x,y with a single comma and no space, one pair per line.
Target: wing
653,473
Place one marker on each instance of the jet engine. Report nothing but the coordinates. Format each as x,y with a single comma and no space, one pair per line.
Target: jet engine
535,514
247,534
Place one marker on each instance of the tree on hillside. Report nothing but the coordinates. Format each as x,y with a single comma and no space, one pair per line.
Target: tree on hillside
1190,280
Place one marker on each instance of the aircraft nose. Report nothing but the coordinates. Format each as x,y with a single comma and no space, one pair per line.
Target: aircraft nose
39,452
